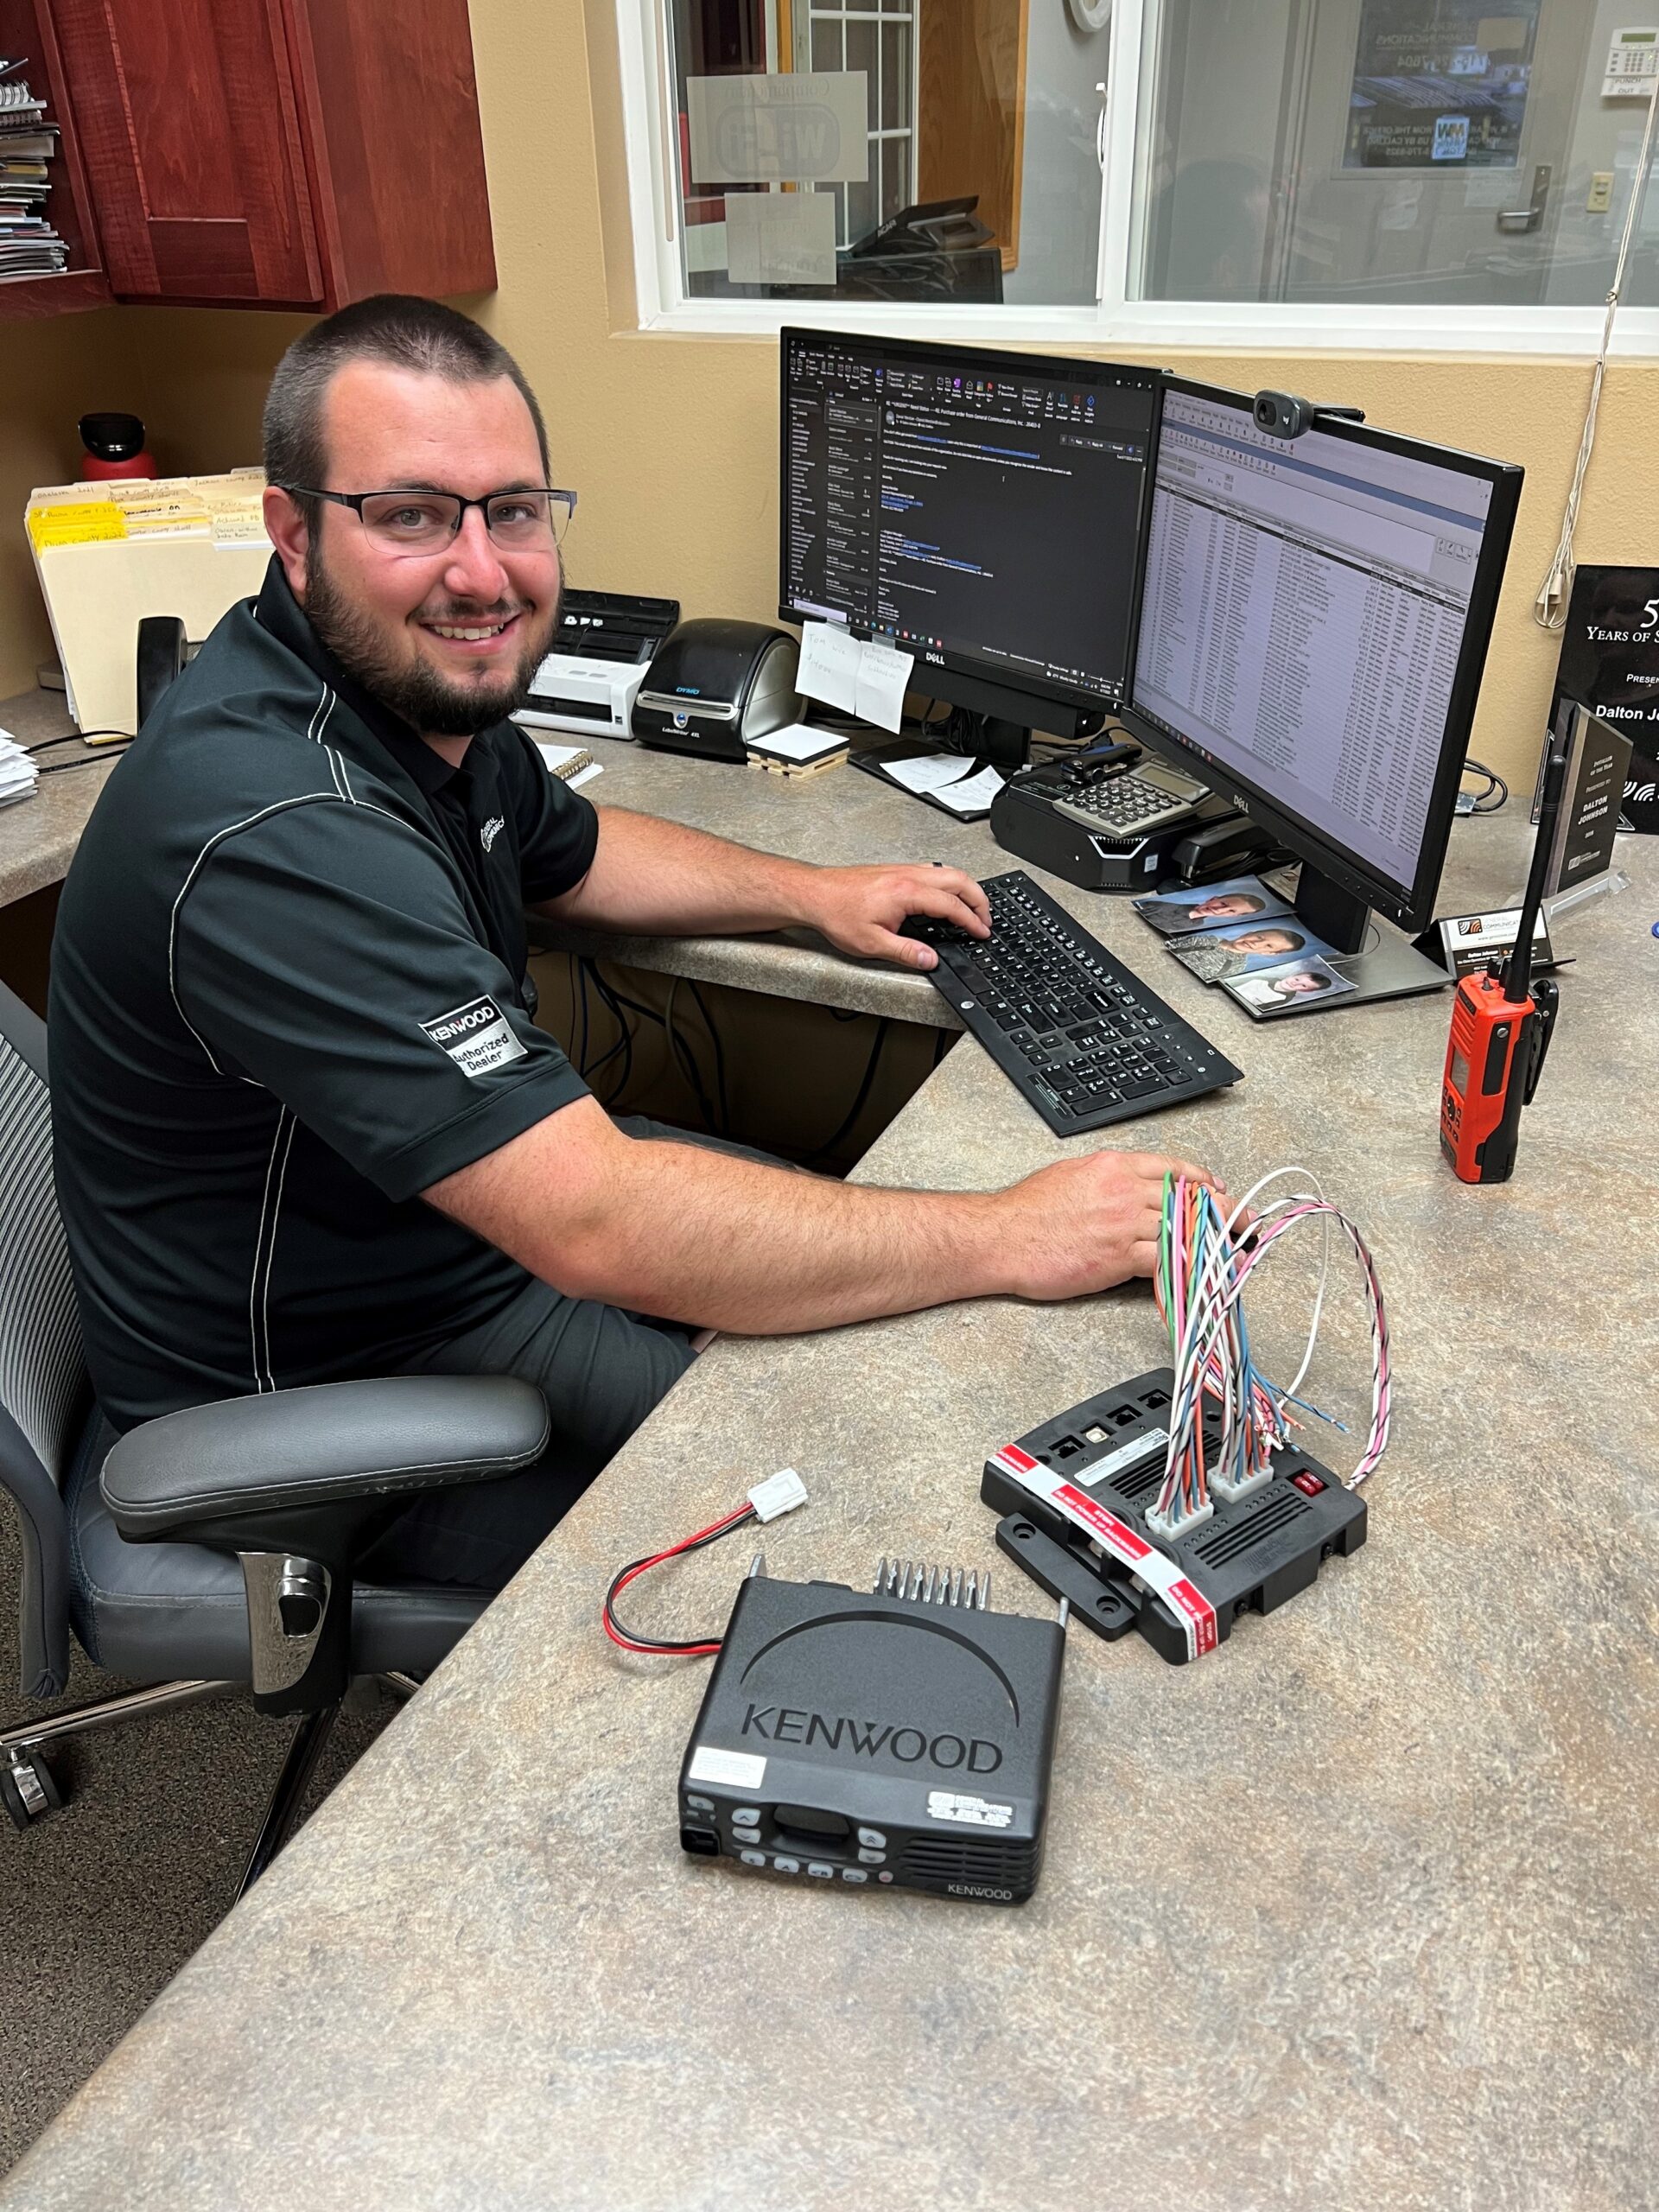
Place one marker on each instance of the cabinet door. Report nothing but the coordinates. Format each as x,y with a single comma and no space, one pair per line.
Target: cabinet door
186,117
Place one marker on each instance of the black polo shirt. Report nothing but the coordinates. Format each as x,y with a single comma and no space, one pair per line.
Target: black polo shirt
288,995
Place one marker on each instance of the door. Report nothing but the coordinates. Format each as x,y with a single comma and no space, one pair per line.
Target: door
186,121
1427,146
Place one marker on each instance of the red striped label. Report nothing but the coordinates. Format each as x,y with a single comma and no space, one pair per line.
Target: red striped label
1184,1597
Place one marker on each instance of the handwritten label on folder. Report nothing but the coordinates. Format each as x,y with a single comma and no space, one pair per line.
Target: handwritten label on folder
866,680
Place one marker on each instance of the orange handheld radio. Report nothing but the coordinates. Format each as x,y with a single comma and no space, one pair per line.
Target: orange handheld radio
1501,1023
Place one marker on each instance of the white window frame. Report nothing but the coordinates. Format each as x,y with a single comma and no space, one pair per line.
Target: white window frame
1162,326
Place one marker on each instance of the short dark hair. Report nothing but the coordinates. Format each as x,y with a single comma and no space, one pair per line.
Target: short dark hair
397,327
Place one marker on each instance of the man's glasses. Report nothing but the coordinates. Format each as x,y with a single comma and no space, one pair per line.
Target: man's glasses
425,522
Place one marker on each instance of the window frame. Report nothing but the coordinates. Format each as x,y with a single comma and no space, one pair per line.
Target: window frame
1164,326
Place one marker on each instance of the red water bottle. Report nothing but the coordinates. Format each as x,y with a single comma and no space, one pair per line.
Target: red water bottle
115,447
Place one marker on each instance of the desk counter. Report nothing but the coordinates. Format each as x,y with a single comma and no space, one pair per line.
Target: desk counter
1357,1911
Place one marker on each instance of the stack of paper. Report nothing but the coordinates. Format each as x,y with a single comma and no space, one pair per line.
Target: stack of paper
28,244
19,777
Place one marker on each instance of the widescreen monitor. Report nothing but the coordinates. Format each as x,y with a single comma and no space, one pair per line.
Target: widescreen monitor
1314,620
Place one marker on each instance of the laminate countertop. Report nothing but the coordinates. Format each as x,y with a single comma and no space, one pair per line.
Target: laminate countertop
1357,1911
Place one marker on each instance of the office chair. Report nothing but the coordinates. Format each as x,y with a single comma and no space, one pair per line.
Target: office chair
211,1550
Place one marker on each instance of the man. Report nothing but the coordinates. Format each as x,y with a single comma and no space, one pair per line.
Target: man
1212,958
1171,918
305,1127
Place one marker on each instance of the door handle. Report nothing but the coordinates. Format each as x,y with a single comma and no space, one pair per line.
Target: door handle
1517,220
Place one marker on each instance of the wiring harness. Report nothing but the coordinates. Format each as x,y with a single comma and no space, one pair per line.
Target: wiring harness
781,1493
1205,1258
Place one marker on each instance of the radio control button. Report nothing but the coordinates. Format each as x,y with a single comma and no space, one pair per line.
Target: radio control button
786,1865
824,1873
701,1804
745,1816
753,1858
884,1877
872,1858
873,1837
853,1874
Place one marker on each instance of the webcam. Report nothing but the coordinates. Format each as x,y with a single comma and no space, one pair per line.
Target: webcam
1287,414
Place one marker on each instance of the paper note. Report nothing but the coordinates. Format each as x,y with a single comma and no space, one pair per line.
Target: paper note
245,528
780,237
798,742
77,521
830,661
930,772
972,796
882,675
782,130
584,776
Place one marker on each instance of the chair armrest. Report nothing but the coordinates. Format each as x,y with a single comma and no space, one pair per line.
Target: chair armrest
326,1445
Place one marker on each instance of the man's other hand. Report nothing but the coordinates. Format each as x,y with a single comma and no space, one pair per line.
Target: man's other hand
861,909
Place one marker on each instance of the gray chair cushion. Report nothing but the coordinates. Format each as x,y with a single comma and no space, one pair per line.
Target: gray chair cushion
162,1612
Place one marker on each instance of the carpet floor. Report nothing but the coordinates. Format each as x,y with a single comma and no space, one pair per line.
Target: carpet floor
102,1904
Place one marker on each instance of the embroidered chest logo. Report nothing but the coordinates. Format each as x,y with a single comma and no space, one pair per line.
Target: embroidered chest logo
490,831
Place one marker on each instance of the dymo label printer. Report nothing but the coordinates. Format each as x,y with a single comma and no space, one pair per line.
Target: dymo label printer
901,1737
715,684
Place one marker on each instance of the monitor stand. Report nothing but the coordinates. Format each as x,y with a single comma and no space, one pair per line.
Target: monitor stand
984,737
1376,960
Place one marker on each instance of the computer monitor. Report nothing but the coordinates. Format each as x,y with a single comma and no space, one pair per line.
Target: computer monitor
984,511
1313,622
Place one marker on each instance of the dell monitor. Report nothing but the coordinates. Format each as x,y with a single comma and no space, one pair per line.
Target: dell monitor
1314,616
982,511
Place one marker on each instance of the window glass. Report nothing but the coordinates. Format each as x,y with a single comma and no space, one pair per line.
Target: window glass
1440,153
909,151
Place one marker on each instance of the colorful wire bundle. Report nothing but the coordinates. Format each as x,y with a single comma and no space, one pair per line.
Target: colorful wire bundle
1204,1263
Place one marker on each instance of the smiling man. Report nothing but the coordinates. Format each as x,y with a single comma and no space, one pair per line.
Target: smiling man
306,1128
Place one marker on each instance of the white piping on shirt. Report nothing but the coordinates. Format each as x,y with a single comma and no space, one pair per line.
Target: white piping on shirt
264,1252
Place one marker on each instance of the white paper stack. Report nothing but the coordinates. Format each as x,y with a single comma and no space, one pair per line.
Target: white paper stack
19,777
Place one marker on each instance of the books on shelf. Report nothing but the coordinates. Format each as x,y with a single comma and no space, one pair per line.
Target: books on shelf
29,247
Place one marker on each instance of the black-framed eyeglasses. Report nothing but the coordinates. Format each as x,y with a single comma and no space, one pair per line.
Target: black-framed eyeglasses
425,522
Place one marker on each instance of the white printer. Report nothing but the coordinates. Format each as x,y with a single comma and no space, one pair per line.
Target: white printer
605,642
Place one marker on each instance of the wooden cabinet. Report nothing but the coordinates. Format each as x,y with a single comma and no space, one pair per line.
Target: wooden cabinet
278,153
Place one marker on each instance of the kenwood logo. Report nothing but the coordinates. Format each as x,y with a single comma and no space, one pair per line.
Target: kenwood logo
976,1889
477,1037
868,1739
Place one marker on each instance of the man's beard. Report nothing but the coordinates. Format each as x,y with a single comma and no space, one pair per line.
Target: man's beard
427,702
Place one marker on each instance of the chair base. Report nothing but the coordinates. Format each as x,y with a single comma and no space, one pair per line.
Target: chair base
29,1791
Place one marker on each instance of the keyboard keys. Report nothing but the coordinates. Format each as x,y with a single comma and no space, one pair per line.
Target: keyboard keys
1091,1043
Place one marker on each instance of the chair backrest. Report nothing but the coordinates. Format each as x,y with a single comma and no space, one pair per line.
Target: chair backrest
44,1388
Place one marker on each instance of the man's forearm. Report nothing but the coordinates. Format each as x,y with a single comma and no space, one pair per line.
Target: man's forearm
654,878
706,1239
703,1238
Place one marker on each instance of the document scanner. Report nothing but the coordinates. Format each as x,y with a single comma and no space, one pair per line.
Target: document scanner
604,643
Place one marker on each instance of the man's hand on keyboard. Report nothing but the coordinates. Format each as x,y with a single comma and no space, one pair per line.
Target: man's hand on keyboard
1085,1225
862,909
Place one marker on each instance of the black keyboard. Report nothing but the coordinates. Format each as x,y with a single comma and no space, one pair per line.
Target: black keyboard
1080,1036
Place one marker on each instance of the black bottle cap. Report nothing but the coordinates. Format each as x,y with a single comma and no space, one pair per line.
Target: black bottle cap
111,437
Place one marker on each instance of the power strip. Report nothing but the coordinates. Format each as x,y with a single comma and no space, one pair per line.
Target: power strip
1072,1497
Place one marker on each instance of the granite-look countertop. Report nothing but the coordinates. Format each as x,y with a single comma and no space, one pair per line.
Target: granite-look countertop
1357,1911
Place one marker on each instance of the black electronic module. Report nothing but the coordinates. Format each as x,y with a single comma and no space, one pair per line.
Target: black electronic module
1072,1496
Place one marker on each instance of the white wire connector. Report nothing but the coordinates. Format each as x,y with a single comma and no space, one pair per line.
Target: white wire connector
1175,1522
781,1493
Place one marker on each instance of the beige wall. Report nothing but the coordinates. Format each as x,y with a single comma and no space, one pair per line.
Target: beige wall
673,443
